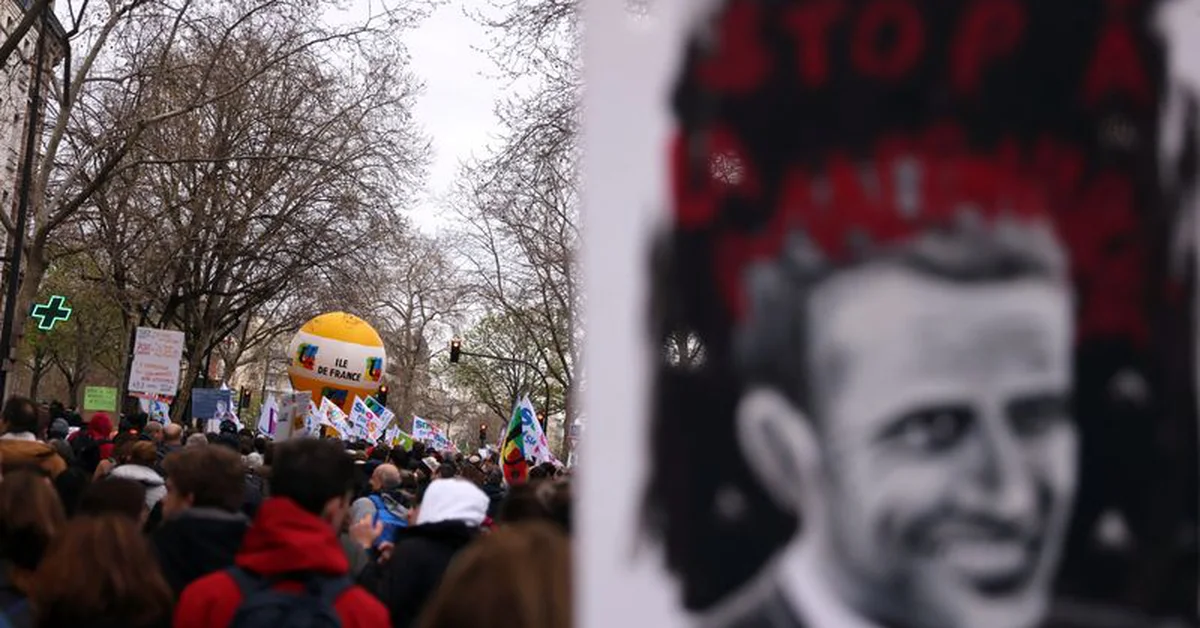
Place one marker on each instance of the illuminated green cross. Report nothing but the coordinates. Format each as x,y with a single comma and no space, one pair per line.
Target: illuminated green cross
49,314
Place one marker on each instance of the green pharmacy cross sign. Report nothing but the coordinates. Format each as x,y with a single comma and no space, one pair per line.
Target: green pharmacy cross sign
50,313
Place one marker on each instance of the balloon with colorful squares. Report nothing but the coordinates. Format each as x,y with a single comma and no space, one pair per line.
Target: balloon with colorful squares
339,356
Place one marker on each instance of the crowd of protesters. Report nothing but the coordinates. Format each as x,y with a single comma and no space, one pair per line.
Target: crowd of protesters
142,525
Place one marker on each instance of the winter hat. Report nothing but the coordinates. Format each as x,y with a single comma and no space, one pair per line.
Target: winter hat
228,427
59,428
453,500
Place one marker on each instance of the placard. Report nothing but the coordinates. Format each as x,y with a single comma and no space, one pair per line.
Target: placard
211,403
899,315
100,398
157,354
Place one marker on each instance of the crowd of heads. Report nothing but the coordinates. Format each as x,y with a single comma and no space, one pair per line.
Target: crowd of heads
91,532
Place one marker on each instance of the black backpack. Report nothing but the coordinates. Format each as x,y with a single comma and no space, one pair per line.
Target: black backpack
87,451
264,606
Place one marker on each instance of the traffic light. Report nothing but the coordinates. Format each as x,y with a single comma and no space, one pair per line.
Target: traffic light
381,396
482,434
455,350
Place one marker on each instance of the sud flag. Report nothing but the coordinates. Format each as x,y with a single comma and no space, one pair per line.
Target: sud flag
516,468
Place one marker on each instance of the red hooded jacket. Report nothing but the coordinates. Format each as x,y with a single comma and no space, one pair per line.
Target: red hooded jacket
100,429
283,539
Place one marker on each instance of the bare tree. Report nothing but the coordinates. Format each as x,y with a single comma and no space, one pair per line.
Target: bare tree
520,205
417,299
157,70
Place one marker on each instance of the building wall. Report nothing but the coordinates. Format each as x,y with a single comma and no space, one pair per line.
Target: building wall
14,102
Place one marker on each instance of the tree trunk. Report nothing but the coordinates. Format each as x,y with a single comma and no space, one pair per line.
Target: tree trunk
73,390
195,363
35,379
31,281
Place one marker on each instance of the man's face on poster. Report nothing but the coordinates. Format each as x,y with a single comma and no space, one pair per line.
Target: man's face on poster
948,455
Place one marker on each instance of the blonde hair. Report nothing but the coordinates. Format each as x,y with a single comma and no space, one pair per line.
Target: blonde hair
516,577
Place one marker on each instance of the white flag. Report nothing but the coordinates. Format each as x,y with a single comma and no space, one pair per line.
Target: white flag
269,417
537,447
336,419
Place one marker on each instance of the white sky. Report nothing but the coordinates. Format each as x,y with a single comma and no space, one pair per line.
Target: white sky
455,109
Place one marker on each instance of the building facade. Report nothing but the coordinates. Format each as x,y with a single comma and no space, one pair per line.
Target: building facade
16,81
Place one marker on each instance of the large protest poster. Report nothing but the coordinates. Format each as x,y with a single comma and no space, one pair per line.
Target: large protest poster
157,354
921,314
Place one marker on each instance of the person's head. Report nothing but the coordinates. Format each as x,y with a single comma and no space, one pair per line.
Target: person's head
197,440
471,473
315,474
123,446
386,477
115,496
447,470
173,434
101,567
883,322
31,515
154,431
950,489
100,426
516,577
544,500
260,444
70,485
20,415
453,500
59,428
398,457
144,453
203,477
380,453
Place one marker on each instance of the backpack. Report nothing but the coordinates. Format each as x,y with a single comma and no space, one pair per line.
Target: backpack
390,520
264,606
87,451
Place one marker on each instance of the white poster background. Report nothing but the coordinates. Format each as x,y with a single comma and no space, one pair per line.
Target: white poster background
628,64
156,357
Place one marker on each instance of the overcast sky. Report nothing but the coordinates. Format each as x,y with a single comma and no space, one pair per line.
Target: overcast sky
456,108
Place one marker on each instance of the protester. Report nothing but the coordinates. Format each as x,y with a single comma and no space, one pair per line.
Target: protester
153,432
143,455
93,443
100,573
516,577
122,448
494,487
172,439
292,543
202,522
19,445
59,430
254,487
545,499
382,504
30,517
448,519
197,440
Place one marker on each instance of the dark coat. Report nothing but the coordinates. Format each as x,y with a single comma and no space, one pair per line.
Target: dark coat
196,543
419,560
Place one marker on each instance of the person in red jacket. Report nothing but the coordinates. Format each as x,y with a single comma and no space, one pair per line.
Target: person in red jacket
293,536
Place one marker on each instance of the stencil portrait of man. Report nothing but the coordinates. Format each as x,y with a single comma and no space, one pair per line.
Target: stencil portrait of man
894,269
915,409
